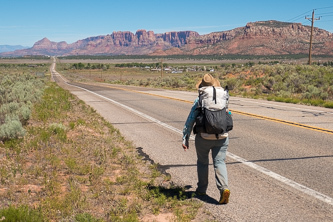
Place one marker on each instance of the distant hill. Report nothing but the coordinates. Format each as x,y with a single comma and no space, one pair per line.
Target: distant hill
10,48
256,38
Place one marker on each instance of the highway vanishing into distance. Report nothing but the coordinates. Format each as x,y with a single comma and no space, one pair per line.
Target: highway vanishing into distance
280,157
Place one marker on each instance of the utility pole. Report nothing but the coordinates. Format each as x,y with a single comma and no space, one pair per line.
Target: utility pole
312,21
161,68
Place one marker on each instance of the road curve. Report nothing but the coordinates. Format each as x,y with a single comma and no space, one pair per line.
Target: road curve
277,171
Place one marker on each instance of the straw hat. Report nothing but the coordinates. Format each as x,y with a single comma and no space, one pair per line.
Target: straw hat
208,80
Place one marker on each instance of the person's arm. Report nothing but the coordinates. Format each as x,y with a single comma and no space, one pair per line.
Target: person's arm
189,124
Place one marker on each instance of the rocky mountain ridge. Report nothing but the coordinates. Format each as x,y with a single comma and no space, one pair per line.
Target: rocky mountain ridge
256,38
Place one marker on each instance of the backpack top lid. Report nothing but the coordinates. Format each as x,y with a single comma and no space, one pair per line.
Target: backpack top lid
208,100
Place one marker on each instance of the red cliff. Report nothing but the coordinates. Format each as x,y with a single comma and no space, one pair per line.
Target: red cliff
256,38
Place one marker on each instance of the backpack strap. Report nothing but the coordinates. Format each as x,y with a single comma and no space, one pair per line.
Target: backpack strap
214,94
227,90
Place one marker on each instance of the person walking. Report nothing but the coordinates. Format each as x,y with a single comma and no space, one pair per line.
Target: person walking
206,142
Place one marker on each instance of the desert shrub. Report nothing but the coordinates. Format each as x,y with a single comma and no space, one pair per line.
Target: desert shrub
284,94
189,80
12,128
269,82
295,82
176,83
18,93
232,83
59,130
21,110
24,113
323,95
311,93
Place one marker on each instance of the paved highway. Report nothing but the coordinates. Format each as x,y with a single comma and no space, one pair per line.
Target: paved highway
279,160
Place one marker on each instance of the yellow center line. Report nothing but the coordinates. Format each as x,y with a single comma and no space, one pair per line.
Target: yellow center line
232,110
285,122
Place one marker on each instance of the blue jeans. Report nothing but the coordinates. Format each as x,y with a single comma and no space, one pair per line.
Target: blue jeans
219,150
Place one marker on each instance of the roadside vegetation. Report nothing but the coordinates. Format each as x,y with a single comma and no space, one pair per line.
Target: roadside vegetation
19,90
72,165
277,81
310,85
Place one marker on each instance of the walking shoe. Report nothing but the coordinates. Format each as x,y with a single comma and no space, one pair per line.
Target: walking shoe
225,196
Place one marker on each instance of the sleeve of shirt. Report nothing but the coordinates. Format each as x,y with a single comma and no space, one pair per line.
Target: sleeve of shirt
191,119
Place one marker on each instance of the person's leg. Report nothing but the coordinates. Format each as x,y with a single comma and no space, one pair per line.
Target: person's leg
202,148
219,154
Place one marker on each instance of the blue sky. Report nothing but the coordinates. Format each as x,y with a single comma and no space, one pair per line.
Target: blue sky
24,22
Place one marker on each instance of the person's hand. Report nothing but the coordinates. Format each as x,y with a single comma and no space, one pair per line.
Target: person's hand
185,144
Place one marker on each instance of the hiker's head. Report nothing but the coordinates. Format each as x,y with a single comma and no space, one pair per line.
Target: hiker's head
208,80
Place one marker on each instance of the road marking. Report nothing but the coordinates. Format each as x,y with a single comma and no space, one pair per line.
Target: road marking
283,179
291,183
285,122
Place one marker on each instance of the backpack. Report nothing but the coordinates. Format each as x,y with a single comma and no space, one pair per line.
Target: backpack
213,117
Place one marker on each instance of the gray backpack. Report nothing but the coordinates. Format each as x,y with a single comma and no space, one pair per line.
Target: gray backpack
213,117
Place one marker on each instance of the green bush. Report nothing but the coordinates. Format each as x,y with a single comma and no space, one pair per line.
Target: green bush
85,217
20,214
328,104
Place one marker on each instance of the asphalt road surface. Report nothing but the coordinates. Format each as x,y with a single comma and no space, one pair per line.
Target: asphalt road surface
280,157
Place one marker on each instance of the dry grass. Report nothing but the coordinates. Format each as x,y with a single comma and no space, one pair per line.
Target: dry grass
72,165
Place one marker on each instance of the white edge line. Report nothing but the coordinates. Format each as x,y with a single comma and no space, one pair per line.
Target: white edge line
252,165
283,179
